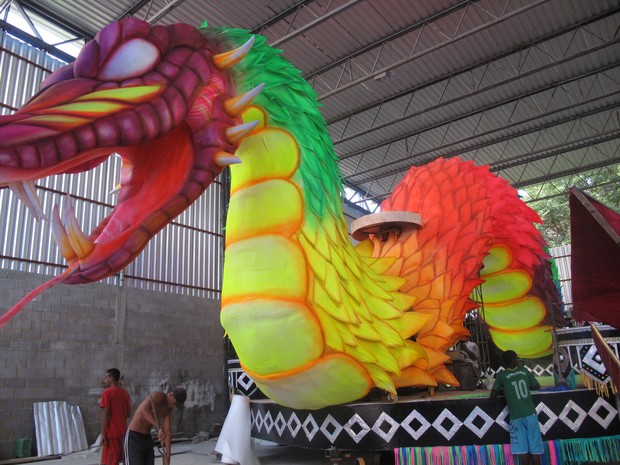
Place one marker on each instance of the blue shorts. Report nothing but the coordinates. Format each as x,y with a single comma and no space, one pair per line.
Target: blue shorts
525,436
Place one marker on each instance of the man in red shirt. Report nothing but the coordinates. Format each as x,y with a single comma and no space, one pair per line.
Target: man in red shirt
116,407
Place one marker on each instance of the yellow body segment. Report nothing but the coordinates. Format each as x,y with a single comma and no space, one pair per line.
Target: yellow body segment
506,285
287,333
254,268
267,154
274,205
499,258
535,342
334,378
515,315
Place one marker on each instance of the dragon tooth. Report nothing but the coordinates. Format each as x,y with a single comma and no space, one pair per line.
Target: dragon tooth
232,57
235,105
77,238
224,159
26,192
61,237
116,189
235,133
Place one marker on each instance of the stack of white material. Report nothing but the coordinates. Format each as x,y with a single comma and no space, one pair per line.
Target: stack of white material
59,428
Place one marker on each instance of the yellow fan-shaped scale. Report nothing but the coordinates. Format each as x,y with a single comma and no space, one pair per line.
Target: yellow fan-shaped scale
381,379
322,298
389,335
361,353
414,376
380,265
317,263
384,355
345,331
411,323
381,308
392,283
273,325
410,353
339,266
444,376
435,342
332,285
366,330
443,329
515,315
435,357
331,333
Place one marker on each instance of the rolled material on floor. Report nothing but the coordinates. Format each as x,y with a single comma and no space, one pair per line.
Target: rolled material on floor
235,441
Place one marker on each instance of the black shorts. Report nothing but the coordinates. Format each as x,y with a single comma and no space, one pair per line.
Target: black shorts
139,449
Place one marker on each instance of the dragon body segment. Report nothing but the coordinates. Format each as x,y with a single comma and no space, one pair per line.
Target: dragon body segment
315,321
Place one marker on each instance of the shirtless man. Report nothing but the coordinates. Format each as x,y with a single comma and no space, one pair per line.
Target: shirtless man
138,441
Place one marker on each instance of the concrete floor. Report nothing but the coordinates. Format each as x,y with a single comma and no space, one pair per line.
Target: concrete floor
202,453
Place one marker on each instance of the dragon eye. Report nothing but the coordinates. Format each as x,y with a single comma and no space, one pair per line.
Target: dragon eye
131,59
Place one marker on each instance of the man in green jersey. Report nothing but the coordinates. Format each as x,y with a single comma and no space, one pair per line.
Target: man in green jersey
515,383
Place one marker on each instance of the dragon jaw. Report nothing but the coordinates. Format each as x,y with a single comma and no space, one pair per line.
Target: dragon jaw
161,98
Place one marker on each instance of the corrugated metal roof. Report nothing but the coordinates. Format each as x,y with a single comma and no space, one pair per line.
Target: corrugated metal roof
529,86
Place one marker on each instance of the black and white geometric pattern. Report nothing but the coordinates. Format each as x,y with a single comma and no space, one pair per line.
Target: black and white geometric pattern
239,382
577,352
430,422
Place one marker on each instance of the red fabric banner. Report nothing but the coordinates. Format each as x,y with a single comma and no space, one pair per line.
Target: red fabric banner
595,260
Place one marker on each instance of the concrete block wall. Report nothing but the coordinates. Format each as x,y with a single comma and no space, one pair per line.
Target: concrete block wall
59,347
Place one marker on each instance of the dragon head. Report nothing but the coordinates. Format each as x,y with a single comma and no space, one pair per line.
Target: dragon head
161,97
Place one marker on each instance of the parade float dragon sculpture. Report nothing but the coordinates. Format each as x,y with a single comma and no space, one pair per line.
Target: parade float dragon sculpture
315,320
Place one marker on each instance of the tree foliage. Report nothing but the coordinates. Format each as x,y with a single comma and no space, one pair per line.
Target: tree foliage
550,200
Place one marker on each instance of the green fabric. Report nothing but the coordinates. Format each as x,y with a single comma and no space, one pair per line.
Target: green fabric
515,384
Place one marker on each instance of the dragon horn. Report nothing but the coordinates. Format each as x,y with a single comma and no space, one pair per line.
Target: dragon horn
232,57
235,133
234,106
223,159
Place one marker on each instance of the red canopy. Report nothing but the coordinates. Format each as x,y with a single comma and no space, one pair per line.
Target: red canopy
595,260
